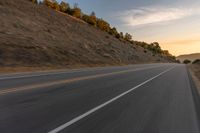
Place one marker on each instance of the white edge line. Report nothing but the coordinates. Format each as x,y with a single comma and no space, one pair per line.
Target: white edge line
58,129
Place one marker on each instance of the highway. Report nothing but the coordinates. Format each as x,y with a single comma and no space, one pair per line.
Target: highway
146,98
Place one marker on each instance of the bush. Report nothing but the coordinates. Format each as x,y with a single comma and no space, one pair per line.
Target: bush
92,20
197,61
34,1
186,61
64,7
155,48
103,25
52,4
113,31
76,12
128,37
121,34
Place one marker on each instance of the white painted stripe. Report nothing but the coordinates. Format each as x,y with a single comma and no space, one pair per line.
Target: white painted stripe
58,129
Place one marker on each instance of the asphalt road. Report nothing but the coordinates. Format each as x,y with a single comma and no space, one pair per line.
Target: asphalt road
153,98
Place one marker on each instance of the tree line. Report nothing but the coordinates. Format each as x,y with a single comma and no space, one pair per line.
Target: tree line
100,23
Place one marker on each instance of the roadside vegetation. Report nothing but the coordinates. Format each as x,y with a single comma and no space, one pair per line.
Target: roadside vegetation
186,61
194,68
101,24
197,61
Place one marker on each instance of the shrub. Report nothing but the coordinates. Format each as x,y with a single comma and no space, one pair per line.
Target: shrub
121,34
64,7
103,25
197,61
34,1
90,19
186,61
52,4
76,12
128,37
113,31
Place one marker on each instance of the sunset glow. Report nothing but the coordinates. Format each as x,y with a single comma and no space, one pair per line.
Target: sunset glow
182,47
174,24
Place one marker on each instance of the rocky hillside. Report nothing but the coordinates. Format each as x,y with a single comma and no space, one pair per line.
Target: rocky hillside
35,35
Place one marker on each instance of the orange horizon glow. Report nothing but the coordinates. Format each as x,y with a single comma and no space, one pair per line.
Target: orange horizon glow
181,47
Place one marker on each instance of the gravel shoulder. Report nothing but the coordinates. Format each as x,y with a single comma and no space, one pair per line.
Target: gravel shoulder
195,72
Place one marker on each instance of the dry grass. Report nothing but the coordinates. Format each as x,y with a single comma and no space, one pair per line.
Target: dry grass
195,71
36,37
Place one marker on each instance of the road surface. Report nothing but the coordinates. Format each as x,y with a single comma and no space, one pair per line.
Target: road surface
153,98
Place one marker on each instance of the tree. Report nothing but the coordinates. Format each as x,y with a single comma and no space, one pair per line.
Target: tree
56,6
90,19
113,31
128,37
121,35
52,4
103,25
76,5
186,61
48,3
117,36
85,18
155,48
64,7
34,1
76,11
166,52
93,19
197,61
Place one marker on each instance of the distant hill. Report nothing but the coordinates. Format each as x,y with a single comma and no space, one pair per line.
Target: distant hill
191,57
35,35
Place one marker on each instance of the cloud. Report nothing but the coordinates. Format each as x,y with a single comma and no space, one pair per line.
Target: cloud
149,15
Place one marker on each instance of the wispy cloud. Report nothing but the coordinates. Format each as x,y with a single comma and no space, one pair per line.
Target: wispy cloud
151,15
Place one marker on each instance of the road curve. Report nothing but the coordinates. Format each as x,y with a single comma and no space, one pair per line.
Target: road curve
153,98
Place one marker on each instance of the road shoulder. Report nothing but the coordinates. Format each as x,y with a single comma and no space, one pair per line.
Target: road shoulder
195,74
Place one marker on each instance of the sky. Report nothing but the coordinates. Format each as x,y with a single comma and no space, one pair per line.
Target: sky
175,24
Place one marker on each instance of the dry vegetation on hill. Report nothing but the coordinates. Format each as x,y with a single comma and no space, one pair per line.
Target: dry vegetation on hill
35,35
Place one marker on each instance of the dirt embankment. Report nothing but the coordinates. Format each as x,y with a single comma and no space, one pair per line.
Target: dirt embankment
195,72
34,36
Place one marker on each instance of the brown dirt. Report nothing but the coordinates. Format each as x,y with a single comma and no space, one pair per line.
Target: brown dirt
36,37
